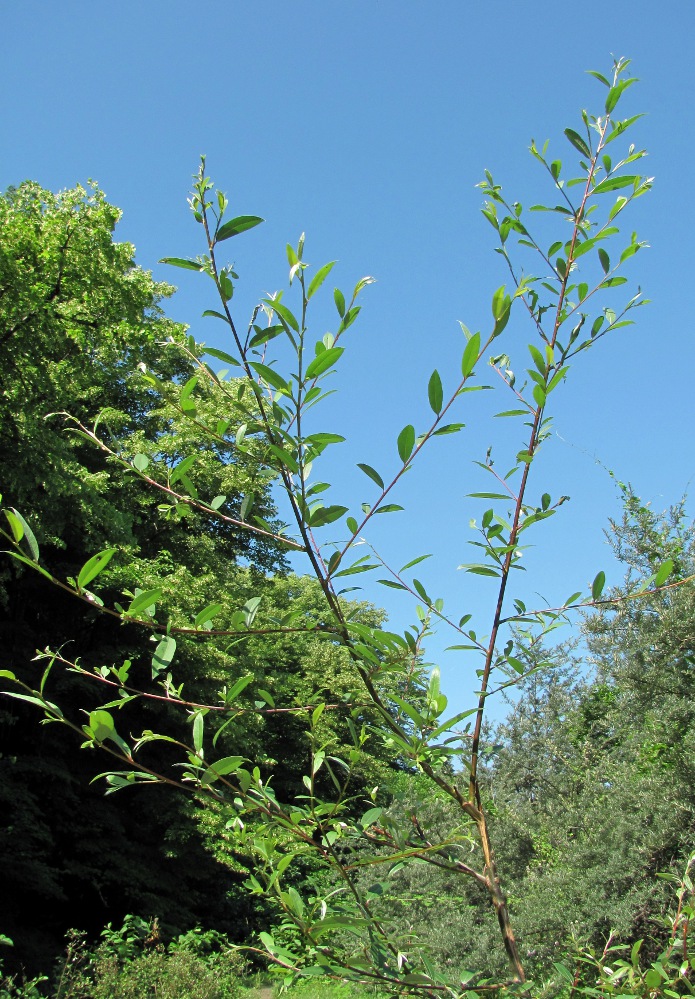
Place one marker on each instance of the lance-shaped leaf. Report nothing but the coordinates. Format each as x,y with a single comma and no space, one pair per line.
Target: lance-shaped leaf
271,377
326,359
283,313
198,726
206,615
185,262
144,601
228,765
373,474
240,224
91,569
182,468
435,392
578,143
597,585
250,610
470,355
21,530
319,278
664,571
614,184
163,655
406,442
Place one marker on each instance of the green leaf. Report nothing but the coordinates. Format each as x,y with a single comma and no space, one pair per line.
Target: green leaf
497,496
18,524
406,442
326,515
185,262
198,724
415,561
206,615
578,142
448,428
188,389
215,315
163,655
326,359
664,571
605,260
373,474
480,570
614,184
652,979
271,377
250,609
370,817
46,705
538,359
240,224
319,278
143,601
470,355
355,568
284,313
613,282
604,81
15,525
239,685
614,94
227,765
265,334
221,355
91,569
498,304
410,710
435,392
597,585
339,300
101,724
389,508
182,468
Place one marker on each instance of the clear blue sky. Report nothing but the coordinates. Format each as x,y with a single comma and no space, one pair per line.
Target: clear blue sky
367,125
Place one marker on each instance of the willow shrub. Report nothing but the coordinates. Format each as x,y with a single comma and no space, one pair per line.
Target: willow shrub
269,411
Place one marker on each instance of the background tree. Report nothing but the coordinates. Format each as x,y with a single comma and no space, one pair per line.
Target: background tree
77,318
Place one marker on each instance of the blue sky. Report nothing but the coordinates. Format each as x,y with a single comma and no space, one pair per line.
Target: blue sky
367,125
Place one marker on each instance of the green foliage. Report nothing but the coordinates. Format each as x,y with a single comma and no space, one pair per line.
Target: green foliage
322,849
83,331
131,963
621,970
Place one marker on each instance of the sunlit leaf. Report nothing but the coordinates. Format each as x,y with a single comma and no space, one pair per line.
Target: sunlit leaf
91,569
435,392
319,278
185,262
406,442
240,224
372,473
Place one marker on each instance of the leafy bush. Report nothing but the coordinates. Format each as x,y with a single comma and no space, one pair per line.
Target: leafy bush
131,963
